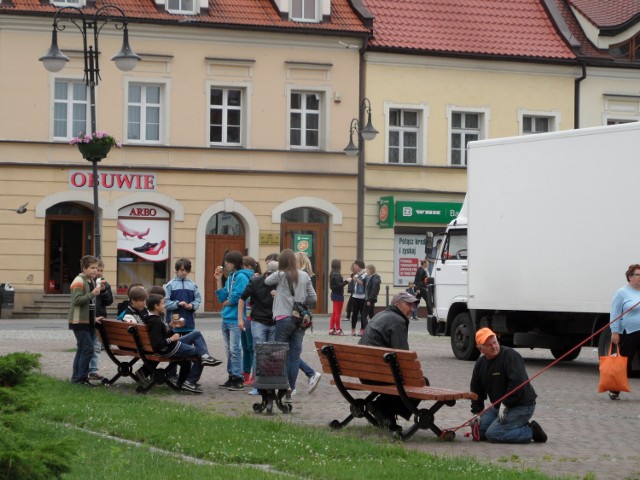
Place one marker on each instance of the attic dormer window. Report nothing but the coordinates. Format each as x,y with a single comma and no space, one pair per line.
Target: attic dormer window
627,50
186,7
305,10
68,3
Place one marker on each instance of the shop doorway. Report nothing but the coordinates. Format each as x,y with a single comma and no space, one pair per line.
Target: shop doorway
225,233
306,229
68,237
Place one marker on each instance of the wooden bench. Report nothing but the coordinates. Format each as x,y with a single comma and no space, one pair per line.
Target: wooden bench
402,375
124,339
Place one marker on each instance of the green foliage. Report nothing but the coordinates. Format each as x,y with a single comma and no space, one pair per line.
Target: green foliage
22,455
14,367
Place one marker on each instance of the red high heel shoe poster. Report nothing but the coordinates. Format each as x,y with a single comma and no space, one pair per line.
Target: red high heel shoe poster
145,237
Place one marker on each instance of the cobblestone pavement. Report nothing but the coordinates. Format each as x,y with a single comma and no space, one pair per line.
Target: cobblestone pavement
589,435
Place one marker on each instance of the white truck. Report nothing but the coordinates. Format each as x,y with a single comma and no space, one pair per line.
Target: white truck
547,230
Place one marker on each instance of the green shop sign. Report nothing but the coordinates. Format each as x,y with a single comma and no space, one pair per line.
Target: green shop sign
303,243
385,212
426,212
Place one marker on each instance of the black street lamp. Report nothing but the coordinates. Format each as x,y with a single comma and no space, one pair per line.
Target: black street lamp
366,133
126,59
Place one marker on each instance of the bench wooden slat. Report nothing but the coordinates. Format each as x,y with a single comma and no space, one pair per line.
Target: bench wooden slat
421,393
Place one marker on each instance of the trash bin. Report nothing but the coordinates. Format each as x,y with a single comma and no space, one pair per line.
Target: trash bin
7,296
271,378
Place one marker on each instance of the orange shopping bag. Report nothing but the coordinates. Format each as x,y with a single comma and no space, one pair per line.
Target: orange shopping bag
613,373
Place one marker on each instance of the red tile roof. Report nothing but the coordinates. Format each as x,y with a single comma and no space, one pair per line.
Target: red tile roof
238,13
516,28
608,13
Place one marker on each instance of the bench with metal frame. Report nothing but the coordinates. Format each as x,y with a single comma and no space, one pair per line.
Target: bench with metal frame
398,371
124,339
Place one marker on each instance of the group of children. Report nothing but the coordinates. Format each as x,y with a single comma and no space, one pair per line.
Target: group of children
174,337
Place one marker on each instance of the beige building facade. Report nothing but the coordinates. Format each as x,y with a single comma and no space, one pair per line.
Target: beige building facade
232,140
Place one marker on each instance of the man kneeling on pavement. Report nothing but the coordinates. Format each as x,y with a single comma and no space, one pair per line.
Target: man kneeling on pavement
500,370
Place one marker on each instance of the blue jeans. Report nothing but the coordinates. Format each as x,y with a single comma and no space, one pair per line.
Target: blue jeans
287,331
233,348
261,334
515,430
192,344
97,348
246,340
306,369
84,352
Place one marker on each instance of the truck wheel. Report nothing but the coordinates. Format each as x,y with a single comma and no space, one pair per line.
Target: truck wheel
558,352
463,338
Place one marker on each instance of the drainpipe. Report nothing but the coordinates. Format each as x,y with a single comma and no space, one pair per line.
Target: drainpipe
576,96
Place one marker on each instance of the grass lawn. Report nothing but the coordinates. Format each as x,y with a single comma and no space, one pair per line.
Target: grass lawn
116,436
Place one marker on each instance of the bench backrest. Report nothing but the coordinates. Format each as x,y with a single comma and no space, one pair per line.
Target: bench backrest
117,333
367,363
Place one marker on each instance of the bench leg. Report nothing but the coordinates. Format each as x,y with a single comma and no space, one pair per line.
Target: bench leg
425,419
125,369
358,409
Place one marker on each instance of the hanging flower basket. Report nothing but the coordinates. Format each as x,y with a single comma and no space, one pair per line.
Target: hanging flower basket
95,146
93,151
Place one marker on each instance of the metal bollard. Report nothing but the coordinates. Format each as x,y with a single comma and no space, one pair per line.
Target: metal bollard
387,289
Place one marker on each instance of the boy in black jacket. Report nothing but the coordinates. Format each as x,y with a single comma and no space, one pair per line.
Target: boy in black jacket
169,344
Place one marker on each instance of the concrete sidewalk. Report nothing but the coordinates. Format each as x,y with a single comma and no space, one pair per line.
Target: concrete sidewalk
588,433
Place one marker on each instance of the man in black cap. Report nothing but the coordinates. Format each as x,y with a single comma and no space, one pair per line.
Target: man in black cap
390,329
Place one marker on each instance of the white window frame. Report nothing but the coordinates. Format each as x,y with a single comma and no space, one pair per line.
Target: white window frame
325,94
165,113
483,128
620,109
423,114
553,116
316,14
245,112
70,102
181,11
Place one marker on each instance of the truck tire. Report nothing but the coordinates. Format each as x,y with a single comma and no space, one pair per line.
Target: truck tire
557,353
463,335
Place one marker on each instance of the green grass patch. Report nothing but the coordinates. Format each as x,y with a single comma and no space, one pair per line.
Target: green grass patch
168,441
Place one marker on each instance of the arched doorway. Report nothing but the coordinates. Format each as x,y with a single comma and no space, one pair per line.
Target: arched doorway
224,233
307,229
68,237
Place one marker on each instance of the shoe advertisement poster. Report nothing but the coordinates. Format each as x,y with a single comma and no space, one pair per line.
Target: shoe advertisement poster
143,230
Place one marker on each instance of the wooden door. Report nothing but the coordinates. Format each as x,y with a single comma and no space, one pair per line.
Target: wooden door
67,240
318,232
216,247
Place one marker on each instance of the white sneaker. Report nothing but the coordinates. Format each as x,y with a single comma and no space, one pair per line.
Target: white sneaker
254,391
314,381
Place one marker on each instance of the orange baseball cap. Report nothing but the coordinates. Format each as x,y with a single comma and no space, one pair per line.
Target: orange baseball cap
483,335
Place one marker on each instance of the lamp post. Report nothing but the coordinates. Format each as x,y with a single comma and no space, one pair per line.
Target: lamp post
366,133
126,59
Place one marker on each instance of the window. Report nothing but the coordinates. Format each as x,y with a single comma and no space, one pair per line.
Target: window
304,10
620,109
532,121
67,3
225,116
144,110
627,50
404,134
181,6
70,109
535,125
465,128
304,120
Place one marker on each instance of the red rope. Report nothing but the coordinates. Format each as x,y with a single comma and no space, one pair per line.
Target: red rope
559,359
